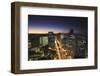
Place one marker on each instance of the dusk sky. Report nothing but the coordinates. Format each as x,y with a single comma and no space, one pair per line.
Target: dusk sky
56,24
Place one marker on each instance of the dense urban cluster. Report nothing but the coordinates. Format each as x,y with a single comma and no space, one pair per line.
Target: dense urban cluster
53,46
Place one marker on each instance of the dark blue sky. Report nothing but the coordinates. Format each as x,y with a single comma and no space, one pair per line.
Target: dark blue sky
43,24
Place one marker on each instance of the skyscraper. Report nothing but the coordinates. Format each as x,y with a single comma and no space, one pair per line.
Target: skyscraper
51,39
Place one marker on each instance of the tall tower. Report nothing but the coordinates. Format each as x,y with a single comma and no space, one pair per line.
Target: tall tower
51,39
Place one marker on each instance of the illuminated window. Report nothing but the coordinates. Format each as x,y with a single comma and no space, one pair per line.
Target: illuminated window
43,41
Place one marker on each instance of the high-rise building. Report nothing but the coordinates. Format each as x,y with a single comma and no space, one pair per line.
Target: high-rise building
51,39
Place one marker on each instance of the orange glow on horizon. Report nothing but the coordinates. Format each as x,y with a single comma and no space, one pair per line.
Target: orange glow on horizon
41,30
